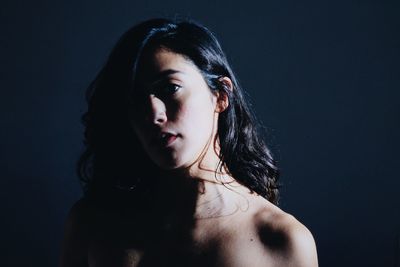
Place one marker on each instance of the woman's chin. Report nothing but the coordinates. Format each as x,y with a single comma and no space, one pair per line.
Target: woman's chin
169,164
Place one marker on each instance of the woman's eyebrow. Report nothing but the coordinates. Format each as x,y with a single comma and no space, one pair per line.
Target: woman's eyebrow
161,75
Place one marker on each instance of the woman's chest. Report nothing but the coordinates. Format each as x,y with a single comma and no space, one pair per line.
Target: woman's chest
208,246
158,253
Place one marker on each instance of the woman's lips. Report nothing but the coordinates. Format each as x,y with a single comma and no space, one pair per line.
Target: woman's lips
165,139
168,140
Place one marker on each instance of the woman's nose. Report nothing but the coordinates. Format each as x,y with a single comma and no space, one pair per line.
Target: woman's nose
158,110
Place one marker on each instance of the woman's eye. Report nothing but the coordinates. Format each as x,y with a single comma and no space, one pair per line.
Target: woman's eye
169,89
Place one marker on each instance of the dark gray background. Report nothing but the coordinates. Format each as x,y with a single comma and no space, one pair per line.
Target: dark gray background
323,77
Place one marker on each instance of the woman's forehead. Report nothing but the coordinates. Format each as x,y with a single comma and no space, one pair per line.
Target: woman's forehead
162,59
163,63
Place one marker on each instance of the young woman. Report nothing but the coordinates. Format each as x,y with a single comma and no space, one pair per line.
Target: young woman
175,172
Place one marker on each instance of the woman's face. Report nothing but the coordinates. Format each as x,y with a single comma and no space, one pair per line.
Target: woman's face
176,119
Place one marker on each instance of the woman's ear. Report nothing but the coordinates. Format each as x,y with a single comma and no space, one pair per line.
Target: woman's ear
222,96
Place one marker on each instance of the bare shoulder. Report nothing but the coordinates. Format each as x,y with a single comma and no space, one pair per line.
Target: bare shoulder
291,243
75,241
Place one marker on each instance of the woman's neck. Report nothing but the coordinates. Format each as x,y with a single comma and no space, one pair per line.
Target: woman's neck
206,188
220,199
204,194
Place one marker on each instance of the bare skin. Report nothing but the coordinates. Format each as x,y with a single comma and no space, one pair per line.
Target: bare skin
234,229
195,216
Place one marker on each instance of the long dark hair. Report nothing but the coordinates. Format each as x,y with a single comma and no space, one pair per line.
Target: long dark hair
113,156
